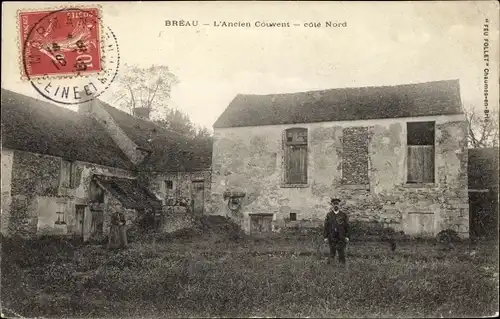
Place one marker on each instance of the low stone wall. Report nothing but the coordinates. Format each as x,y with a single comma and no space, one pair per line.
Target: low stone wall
175,218
283,225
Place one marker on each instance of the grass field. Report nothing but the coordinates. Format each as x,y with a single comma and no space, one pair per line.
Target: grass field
229,275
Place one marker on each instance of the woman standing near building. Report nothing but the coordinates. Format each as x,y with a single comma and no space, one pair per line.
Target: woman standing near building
117,231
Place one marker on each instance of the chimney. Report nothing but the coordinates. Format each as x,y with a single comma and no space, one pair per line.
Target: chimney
91,106
142,112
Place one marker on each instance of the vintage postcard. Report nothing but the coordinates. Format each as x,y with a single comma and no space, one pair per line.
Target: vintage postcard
249,159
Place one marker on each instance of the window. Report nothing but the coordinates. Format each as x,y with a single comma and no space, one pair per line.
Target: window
67,174
169,189
60,218
72,175
169,185
420,152
355,156
295,156
293,216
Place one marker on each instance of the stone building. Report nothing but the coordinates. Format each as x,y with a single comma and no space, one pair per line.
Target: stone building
63,171
395,154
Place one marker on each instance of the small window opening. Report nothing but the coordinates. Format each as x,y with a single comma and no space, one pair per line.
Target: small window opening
169,184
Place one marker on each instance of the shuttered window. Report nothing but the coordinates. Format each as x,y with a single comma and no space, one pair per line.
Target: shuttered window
65,174
295,156
420,152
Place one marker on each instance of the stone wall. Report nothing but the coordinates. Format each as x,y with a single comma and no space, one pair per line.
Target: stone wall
175,218
7,159
33,176
179,200
250,159
37,196
110,202
182,187
355,142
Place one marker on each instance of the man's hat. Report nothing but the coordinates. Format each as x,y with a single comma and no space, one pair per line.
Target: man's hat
334,201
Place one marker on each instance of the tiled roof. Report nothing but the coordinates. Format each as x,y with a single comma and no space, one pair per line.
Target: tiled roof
36,126
345,104
128,192
170,151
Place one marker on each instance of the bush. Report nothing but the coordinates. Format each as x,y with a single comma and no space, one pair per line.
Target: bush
448,236
208,228
218,226
146,222
97,240
368,230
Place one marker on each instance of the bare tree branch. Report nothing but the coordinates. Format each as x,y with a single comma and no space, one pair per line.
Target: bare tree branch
146,87
482,131
132,105
150,101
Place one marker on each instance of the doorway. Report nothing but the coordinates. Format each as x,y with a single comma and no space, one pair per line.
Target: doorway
261,223
198,196
97,223
80,219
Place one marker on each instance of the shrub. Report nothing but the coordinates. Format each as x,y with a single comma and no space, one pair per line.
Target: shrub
97,240
146,222
368,230
448,236
218,226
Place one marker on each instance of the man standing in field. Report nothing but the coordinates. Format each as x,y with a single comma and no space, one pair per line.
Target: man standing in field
336,231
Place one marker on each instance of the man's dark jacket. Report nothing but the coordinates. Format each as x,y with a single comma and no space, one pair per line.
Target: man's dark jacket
336,226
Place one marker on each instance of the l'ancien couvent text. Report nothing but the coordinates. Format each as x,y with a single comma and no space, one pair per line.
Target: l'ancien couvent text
257,24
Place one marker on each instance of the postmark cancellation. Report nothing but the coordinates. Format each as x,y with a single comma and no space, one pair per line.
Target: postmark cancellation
67,50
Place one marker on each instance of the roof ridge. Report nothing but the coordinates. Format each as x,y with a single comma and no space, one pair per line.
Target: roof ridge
351,88
344,104
41,101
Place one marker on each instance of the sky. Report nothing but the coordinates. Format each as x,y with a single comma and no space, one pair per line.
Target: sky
384,43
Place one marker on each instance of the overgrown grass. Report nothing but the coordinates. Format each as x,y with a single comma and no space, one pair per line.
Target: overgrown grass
205,275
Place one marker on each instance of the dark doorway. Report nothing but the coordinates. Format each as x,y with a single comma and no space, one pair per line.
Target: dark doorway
97,223
261,223
198,196
80,219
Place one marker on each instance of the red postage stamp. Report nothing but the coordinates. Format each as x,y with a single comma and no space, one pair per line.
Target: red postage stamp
63,42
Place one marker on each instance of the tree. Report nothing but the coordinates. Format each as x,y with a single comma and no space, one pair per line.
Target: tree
204,137
151,88
144,87
483,131
177,121
203,133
